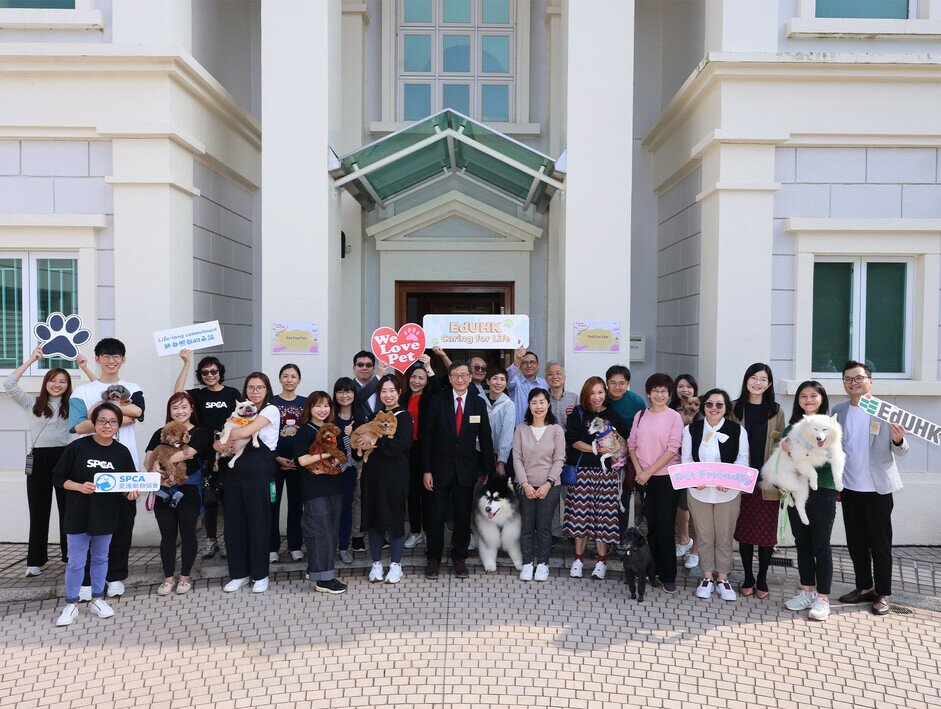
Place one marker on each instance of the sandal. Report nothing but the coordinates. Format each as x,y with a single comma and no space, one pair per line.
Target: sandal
746,590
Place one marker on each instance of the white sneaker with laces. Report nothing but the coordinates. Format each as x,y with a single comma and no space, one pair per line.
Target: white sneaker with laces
115,589
273,557
599,571
692,561
576,571
376,573
542,572
260,586
704,590
33,571
69,613
395,573
526,573
84,594
801,602
236,584
682,549
820,610
297,555
726,592
100,608
413,540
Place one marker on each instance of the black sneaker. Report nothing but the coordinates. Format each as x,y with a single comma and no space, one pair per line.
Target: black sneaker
334,586
358,544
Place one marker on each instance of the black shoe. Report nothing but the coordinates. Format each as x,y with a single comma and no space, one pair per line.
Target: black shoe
358,544
431,569
859,596
882,605
334,586
460,569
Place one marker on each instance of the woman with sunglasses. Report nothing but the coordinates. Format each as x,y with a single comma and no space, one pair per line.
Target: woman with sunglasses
250,488
714,510
214,402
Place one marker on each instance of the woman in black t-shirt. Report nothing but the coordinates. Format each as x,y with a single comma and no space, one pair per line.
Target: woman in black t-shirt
213,403
177,507
91,516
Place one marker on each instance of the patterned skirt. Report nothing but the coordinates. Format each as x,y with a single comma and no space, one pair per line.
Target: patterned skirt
591,506
757,521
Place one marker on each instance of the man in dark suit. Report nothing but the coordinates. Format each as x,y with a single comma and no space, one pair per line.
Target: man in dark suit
453,426
366,380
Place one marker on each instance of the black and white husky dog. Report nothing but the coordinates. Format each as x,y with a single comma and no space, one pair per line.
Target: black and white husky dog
497,521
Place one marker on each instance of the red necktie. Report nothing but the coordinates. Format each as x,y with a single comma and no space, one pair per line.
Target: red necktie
459,414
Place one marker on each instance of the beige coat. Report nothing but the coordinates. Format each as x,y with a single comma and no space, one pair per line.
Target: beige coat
537,461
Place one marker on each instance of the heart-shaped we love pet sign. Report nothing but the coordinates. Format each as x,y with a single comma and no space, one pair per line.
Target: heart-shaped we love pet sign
399,349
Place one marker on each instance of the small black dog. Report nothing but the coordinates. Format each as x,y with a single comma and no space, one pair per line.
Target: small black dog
638,562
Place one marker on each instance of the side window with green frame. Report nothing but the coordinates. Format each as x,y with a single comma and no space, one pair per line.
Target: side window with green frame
872,9
37,4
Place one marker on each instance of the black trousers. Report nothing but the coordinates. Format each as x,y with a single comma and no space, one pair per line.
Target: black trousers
182,519
419,498
39,499
660,506
460,497
814,556
247,507
867,517
290,479
120,548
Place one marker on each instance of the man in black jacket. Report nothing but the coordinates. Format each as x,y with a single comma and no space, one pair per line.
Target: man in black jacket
455,423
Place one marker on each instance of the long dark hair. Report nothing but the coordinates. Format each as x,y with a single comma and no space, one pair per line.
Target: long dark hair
41,407
182,396
769,407
313,399
550,417
675,400
798,413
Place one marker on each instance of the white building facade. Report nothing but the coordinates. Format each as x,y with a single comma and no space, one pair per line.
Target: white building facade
732,180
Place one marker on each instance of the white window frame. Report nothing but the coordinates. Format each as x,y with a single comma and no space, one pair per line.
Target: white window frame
858,323
83,17
924,22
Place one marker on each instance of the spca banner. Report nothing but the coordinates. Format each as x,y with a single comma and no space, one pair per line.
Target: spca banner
400,350
127,482
734,477
915,425
479,332
194,337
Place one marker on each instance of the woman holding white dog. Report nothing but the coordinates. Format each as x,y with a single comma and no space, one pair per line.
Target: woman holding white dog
814,555
715,439
538,456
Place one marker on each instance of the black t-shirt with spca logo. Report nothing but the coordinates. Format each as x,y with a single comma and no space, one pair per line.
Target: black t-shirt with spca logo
214,407
96,513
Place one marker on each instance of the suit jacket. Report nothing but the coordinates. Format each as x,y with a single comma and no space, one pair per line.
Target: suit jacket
361,408
451,457
882,452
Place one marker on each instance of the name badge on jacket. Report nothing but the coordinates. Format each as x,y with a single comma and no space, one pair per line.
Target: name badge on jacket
473,419
874,428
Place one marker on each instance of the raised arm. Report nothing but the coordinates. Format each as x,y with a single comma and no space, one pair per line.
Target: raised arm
180,383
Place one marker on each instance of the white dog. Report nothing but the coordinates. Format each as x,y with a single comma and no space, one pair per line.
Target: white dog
813,441
243,414
497,521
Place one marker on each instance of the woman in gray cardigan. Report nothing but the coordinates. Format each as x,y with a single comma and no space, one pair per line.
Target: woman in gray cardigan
538,455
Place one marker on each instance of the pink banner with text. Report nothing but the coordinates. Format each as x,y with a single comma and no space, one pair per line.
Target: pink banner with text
734,477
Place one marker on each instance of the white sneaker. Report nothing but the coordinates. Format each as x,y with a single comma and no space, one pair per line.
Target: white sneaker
526,573
236,584
726,592
801,602
375,574
472,544
273,557
69,613
115,589
260,586
395,573
413,540
100,608
599,571
33,571
692,561
84,594
820,610
576,571
297,555
682,549
704,590
542,572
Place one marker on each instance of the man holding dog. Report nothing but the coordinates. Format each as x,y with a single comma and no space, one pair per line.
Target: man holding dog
454,424
869,480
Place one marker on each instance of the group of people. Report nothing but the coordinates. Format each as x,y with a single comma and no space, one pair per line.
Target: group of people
400,490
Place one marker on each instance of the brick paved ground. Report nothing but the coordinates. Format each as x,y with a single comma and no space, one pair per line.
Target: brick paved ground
487,640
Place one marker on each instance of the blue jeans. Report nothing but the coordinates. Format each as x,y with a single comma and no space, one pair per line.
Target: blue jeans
75,569
346,507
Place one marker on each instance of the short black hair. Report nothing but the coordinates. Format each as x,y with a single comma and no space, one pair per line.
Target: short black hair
364,353
726,399
110,345
528,416
107,406
530,352
205,362
616,369
491,371
657,380
853,364
290,365
456,364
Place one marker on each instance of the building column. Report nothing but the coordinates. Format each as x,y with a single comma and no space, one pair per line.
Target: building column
300,260
597,214
735,269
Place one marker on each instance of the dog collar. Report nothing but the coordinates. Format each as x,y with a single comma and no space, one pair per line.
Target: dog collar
605,432
240,421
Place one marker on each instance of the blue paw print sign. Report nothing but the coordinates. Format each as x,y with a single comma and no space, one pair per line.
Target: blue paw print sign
61,335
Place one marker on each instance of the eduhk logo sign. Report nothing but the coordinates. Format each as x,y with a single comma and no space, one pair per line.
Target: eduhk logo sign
912,423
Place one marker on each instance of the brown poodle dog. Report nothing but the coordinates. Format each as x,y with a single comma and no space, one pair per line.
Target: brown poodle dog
173,438
383,425
326,442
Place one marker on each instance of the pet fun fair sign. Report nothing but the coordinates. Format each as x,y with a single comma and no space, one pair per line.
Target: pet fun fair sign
192,337
479,332
127,482
290,337
915,425
400,350
596,336
734,477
